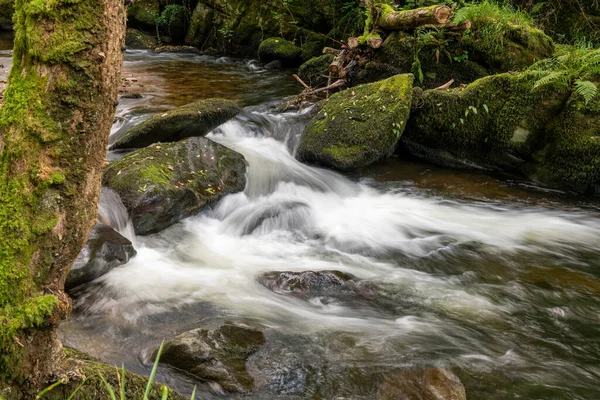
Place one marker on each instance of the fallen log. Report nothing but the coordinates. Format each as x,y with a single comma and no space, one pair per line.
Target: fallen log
331,50
392,20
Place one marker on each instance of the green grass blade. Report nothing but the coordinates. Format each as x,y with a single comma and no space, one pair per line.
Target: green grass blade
153,373
72,395
122,382
165,393
193,394
46,390
108,387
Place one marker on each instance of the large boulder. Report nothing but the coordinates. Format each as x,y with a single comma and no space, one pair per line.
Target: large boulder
143,13
6,12
570,155
164,183
279,49
358,126
105,249
137,39
422,384
194,119
216,355
496,122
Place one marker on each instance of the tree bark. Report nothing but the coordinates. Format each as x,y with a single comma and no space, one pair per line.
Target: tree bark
392,20
54,125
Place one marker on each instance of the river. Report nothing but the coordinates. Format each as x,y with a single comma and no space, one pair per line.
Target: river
496,279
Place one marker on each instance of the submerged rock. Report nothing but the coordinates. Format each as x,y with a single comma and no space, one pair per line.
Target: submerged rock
306,283
194,119
495,122
281,50
422,384
162,184
105,249
217,355
358,126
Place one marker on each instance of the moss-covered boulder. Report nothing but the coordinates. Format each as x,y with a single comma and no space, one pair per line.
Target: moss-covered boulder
216,355
105,249
164,183
314,72
143,13
281,50
358,126
137,39
496,122
194,119
570,155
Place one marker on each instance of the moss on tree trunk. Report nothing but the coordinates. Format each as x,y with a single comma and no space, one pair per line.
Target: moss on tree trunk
54,125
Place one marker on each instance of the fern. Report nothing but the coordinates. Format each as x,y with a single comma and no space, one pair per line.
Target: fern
586,89
551,77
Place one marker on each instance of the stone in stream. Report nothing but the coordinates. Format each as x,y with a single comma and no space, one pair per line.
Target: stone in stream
321,283
105,249
194,119
137,39
359,126
422,384
216,355
281,50
164,183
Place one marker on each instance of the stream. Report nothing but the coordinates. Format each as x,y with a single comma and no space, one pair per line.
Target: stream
495,279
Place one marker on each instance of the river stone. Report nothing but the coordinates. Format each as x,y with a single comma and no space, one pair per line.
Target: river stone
217,355
422,384
105,249
164,183
137,39
279,49
194,119
359,126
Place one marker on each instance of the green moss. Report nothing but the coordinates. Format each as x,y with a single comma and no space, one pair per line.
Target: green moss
314,72
279,49
358,126
144,12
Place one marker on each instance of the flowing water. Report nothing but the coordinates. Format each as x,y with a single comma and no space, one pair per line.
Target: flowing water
495,279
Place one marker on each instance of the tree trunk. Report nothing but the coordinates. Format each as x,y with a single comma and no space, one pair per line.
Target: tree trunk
54,125
393,20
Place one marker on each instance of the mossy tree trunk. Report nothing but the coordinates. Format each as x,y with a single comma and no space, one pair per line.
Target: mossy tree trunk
54,125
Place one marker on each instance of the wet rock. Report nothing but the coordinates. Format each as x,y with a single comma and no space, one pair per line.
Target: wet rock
194,119
314,72
422,384
137,39
177,49
281,50
164,183
273,65
105,249
496,122
306,283
217,355
358,126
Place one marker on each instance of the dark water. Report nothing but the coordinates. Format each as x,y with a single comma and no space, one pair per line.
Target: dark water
493,278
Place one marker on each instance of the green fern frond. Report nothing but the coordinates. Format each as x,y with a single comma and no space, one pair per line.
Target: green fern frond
551,77
586,89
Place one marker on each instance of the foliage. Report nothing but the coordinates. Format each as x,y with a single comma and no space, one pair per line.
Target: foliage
493,21
574,67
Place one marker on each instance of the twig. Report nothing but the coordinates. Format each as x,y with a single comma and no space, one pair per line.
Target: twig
301,81
445,85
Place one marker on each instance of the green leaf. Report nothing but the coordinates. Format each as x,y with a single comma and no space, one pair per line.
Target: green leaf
153,373
49,388
193,394
586,89
72,395
108,387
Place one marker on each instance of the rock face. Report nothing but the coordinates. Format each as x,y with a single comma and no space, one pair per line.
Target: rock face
422,384
496,122
105,249
358,126
162,184
194,119
279,49
216,355
143,13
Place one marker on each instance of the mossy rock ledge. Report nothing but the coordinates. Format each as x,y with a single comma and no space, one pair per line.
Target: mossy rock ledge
137,39
216,355
194,119
359,126
164,183
497,122
314,71
279,49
